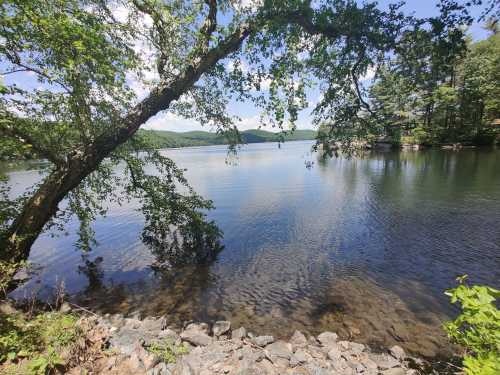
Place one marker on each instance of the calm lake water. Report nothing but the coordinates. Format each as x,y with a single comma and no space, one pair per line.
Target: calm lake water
364,246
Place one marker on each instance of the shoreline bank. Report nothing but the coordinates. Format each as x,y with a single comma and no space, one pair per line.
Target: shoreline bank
119,345
219,348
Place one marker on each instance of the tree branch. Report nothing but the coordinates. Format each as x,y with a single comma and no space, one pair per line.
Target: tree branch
161,96
356,83
209,25
24,138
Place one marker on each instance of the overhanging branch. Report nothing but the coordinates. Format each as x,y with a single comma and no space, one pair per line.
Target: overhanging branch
7,128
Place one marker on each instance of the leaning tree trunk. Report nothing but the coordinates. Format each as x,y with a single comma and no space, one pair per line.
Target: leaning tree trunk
37,211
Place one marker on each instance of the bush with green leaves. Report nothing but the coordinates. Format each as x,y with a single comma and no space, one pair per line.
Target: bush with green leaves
33,346
477,328
166,350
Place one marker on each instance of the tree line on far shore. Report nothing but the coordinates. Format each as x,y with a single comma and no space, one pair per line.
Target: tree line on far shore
422,98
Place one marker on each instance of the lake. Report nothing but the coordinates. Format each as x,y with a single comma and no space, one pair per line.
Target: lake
363,246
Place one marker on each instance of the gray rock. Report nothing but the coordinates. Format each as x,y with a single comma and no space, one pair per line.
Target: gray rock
152,325
140,358
302,356
263,340
294,361
358,368
161,369
342,367
298,340
279,349
312,340
334,354
394,371
314,369
344,345
183,367
356,348
131,323
316,352
386,362
203,327
369,364
221,327
170,335
239,334
196,337
397,352
125,340
328,338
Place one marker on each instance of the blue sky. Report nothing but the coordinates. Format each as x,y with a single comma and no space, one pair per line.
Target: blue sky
246,111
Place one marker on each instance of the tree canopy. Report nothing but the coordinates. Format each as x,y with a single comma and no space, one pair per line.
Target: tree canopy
440,102
190,58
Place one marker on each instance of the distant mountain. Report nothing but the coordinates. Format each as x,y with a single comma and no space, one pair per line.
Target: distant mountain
169,139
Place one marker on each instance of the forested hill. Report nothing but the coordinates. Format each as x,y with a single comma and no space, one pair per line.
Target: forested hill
167,139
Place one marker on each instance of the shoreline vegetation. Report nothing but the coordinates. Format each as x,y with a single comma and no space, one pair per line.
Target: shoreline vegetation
73,340
164,139
61,337
169,139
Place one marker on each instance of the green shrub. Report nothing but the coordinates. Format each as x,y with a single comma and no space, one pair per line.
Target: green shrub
166,350
477,328
36,342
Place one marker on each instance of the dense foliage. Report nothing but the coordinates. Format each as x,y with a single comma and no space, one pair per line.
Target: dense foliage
421,99
477,328
165,139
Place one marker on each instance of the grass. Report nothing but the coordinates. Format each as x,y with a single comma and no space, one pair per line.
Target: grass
36,346
166,350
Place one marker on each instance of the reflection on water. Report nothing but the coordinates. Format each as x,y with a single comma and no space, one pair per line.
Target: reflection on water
363,246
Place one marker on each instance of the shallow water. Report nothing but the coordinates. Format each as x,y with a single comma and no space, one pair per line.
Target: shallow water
362,246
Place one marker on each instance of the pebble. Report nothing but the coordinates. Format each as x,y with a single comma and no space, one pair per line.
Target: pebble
218,354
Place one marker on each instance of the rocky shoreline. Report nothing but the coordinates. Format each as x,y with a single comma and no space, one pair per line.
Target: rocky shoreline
149,346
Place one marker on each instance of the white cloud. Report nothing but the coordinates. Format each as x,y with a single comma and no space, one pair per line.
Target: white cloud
370,73
314,102
265,84
172,122
247,123
247,5
231,65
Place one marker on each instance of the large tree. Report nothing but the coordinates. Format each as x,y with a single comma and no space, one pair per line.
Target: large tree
192,57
